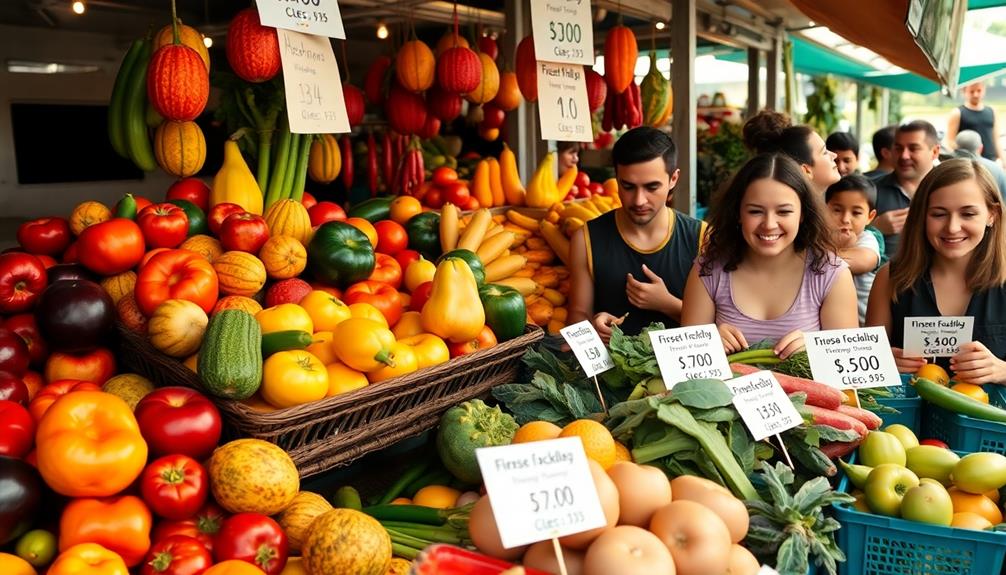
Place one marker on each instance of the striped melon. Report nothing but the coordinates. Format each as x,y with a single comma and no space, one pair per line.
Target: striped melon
289,218
239,273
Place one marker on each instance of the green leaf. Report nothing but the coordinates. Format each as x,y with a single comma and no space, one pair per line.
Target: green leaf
812,495
716,414
742,447
512,394
792,556
702,393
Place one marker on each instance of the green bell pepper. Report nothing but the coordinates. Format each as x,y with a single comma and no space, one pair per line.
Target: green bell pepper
424,234
340,255
506,313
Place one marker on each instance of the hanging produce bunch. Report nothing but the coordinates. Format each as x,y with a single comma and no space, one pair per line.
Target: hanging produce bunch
624,107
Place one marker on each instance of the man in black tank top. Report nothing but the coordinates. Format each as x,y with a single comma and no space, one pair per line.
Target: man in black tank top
629,265
975,115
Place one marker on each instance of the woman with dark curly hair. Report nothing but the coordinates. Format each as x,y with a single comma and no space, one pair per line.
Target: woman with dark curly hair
768,269
772,132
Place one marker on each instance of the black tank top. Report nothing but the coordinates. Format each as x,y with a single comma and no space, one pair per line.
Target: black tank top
983,122
987,307
612,258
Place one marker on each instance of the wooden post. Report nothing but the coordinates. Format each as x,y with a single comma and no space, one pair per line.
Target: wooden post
754,81
683,79
773,72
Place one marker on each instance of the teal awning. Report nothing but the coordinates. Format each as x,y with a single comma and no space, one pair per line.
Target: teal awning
979,4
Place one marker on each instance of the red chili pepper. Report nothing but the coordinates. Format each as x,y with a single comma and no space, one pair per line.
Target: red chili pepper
388,161
372,164
637,107
347,163
608,119
440,559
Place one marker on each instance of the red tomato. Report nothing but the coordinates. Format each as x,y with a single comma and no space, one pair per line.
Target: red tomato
70,256
244,232
48,236
434,198
179,420
47,261
14,355
191,189
96,366
456,193
326,212
203,526
111,247
22,279
471,205
596,189
308,200
582,179
420,295
17,430
391,237
219,213
386,270
13,388
444,176
406,257
254,538
55,390
380,295
934,442
176,274
177,555
147,256
486,338
163,225
33,381
174,486
25,326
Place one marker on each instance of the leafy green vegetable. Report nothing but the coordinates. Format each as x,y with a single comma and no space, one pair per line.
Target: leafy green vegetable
702,393
633,357
557,392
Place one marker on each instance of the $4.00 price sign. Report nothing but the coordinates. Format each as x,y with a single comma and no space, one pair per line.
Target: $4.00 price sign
563,110
937,336
763,404
563,31
852,358
314,100
694,352
587,347
318,17
540,490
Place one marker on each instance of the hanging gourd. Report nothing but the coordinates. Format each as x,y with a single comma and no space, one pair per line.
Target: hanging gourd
620,55
252,49
527,73
597,90
415,66
178,85
490,83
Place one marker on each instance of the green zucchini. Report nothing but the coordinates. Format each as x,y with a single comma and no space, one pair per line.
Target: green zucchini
284,341
230,357
957,402
372,210
347,497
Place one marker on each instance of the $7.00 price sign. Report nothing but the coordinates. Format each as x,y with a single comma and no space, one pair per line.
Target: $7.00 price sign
763,404
694,352
540,490
852,358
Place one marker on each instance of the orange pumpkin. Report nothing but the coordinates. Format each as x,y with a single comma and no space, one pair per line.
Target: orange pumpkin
508,96
119,285
178,85
206,246
415,66
240,302
87,214
490,83
325,160
620,55
284,257
188,36
180,148
450,40
239,273
289,218
527,73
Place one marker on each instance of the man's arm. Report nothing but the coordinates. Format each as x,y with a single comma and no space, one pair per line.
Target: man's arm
953,126
581,291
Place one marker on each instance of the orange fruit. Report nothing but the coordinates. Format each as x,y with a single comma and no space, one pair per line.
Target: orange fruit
622,452
933,373
536,431
367,228
597,441
978,504
403,208
438,496
968,520
401,501
971,390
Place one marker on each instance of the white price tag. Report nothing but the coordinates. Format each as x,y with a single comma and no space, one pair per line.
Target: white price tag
540,490
763,404
314,100
766,570
318,17
852,358
937,336
587,347
694,352
563,31
563,110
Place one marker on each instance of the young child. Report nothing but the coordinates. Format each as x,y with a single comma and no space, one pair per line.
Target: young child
846,149
852,203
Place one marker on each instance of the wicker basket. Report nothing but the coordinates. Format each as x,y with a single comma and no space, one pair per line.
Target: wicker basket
336,430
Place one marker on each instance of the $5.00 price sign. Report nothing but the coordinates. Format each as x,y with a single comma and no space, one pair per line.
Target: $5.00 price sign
937,336
852,358
318,17
540,490
694,352
563,31
763,404
587,347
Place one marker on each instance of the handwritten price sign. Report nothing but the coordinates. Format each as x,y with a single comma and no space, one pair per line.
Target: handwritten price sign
314,99
763,404
694,352
852,358
318,17
562,103
563,31
937,336
587,347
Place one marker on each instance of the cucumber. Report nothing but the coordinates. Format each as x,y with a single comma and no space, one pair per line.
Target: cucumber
230,357
347,497
956,402
372,210
284,341
116,130
134,116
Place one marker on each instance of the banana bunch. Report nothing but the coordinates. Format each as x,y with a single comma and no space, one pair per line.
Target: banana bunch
127,109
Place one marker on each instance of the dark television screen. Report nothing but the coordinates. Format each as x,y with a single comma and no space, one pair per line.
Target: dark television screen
58,143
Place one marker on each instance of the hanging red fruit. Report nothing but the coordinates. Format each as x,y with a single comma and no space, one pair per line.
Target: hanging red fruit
252,49
597,90
620,55
178,85
406,111
415,66
354,104
492,116
487,45
527,73
450,40
430,128
444,106
459,70
373,83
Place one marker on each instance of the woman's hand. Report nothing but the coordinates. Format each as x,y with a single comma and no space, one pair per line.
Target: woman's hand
789,344
906,364
974,363
733,339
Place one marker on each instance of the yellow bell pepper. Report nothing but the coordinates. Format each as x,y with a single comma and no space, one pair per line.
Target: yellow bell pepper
430,349
541,190
363,344
326,310
293,377
410,324
403,361
284,317
418,273
454,310
342,378
363,310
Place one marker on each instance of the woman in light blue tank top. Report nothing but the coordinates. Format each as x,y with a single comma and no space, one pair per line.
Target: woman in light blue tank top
768,270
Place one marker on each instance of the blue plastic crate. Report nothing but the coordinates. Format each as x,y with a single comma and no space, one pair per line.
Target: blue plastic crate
908,404
879,545
963,433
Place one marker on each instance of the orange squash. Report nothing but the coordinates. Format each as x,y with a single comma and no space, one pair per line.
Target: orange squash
508,96
527,73
240,302
450,40
325,161
490,83
415,66
284,257
620,55
180,148
188,35
87,214
206,246
178,85
298,516
119,285
289,218
239,273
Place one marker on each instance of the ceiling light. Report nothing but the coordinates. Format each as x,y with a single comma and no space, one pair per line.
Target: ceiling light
382,30
79,7
207,41
660,25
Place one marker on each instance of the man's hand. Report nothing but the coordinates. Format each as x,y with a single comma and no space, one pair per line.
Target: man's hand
652,295
892,222
602,323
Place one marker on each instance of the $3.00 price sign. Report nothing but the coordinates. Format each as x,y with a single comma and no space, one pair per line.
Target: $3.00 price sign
318,17
314,100
937,336
587,347
540,490
694,352
852,358
563,111
763,404
563,31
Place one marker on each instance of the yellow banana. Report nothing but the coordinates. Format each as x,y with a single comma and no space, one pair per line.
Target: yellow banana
578,211
519,219
565,183
556,240
481,188
471,238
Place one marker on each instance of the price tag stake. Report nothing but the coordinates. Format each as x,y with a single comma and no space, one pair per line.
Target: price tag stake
764,407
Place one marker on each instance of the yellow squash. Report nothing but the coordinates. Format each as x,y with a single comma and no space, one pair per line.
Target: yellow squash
454,310
541,190
235,183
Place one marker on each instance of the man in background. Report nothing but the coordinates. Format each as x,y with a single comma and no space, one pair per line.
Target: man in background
969,145
973,114
883,150
845,146
916,147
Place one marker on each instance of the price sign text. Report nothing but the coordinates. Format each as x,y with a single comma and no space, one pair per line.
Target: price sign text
563,31
562,103
314,99
694,352
318,17
763,404
937,336
852,358
587,347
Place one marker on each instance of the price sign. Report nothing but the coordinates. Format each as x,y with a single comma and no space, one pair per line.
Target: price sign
852,358
540,490
318,17
763,404
563,31
587,347
694,352
937,336
766,570
314,100
563,110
